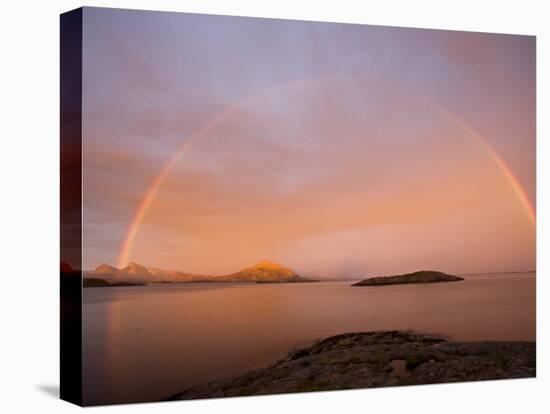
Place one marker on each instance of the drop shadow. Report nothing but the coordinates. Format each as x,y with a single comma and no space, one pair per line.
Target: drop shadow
50,389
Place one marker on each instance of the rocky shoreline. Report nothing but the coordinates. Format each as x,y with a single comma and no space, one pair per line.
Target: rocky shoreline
89,282
377,359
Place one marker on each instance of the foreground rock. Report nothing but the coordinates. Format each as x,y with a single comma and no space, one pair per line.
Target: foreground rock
377,359
423,276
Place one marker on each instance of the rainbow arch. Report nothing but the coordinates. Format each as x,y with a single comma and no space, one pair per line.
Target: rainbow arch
152,191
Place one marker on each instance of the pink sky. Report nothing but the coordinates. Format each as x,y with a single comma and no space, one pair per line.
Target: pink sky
333,163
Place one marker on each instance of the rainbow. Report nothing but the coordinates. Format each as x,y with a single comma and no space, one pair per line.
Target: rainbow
152,191
520,192
145,203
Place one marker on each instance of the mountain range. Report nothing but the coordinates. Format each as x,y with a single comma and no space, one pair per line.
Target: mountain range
262,272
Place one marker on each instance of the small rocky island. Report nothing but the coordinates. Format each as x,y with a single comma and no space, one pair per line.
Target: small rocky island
377,359
422,276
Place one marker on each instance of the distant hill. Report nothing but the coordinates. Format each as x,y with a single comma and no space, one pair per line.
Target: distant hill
422,276
176,276
105,270
138,271
263,272
135,272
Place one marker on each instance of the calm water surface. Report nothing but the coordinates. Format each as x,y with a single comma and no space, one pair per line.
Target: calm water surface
145,343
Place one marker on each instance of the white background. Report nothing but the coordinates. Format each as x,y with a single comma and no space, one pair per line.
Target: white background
29,193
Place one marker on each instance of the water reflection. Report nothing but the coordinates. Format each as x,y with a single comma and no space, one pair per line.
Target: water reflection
143,343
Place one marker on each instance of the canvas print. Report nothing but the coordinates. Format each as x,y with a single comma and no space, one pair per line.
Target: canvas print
260,206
